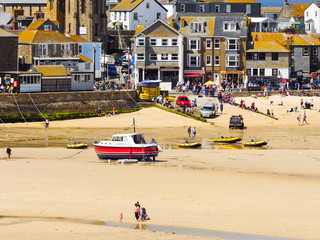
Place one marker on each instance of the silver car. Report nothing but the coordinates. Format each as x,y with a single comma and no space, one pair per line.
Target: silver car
208,110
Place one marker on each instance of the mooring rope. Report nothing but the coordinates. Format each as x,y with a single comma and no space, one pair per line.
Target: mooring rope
18,107
132,98
36,107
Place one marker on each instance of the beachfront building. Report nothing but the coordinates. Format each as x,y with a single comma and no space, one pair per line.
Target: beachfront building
198,32
128,14
312,18
267,63
158,52
230,43
249,7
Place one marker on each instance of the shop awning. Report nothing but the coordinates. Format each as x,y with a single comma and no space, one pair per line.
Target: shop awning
193,75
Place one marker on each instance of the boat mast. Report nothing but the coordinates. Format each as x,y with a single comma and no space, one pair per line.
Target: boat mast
134,126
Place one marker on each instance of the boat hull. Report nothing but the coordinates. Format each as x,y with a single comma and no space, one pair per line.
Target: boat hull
77,146
227,140
255,144
189,145
125,152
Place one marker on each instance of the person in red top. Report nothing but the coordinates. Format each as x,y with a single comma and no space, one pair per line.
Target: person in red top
137,211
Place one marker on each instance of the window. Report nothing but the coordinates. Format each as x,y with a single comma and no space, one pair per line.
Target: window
249,56
261,71
47,27
125,16
164,42
182,8
229,27
275,57
153,42
255,72
314,62
164,56
217,60
147,5
153,57
140,42
307,14
140,57
248,8
174,57
62,47
305,51
208,60
228,8
83,6
80,49
201,8
193,60
232,44
208,43
217,8
315,51
43,49
197,27
174,42
135,16
316,13
274,72
262,56
158,15
232,60
194,44
216,43
248,71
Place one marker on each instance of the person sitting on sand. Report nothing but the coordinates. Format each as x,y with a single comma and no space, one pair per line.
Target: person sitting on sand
268,112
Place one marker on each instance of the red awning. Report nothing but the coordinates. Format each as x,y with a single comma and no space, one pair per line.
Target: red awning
193,75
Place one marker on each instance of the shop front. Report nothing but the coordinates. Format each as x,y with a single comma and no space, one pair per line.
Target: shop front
234,78
193,76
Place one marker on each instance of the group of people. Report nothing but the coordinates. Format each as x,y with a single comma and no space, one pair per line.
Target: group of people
306,105
193,131
107,85
304,119
140,213
6,88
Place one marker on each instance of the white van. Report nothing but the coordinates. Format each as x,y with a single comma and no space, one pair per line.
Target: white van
208,110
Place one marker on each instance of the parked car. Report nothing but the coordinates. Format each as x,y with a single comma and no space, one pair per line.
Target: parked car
208,110
183,101
236,121
112,70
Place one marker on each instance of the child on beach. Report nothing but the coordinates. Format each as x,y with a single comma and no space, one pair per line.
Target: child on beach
299,119
8,152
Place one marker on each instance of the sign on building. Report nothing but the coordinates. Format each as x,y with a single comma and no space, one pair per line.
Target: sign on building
83,30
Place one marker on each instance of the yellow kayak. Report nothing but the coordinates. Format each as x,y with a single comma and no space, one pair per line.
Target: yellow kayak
189,145
227,140
255,144
77,146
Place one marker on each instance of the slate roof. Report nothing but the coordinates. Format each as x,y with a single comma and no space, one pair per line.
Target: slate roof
39,36
5,18
241,30
23,2
51,70
187,31
268,37
159,29
4,33
78,38
36,24
292,10
302,40
130,5
261,46
241,1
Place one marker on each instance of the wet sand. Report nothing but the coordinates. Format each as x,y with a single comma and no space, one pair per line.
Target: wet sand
274,191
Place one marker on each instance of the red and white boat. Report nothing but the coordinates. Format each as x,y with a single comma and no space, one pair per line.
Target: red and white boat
126,146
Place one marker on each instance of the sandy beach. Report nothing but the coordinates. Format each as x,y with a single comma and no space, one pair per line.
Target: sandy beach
50,192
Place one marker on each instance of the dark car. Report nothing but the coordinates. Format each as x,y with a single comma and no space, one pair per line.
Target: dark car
236,121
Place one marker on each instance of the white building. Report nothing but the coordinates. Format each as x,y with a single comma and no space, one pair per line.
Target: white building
312,18
129,13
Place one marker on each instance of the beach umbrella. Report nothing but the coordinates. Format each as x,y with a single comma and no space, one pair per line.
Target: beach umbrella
284,80
316,81
209,83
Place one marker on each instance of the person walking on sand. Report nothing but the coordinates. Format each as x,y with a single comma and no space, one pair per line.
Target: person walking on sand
304,118
299,119
194,132
46,125
8,152
221,108
189,131
301,103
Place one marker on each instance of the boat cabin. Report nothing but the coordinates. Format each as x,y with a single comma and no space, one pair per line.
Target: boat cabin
136,138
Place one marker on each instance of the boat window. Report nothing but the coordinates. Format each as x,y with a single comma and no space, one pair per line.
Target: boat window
139,139
117,139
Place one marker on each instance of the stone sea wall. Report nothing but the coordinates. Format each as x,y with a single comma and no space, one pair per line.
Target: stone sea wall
65,102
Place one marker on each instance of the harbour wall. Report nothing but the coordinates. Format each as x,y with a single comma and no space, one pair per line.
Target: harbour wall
63,102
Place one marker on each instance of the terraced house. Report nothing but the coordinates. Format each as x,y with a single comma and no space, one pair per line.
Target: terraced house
249,7
158,51
267,64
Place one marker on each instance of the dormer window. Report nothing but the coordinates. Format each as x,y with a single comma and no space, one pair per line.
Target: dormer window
47,27
201,8
228,8
229,26
182,8
217,7
198,27
248,8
